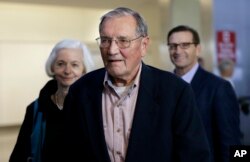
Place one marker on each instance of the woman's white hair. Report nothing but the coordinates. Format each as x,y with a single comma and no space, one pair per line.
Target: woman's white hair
87,61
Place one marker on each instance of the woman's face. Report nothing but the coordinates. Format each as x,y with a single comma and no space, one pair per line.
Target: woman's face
68,66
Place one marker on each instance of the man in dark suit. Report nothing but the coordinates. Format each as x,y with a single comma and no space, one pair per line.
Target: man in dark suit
129,111
215,97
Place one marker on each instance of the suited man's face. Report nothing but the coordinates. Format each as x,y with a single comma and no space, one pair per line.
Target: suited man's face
183,52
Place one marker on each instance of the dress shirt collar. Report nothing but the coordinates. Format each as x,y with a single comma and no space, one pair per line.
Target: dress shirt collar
108,82
190,74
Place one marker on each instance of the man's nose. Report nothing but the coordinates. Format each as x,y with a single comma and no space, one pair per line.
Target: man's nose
113,47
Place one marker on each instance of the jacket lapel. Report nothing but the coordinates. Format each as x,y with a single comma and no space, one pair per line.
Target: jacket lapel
94,118
145,114
198,81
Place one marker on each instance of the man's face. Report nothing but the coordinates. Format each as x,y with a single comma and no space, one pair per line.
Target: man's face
183,56
122,63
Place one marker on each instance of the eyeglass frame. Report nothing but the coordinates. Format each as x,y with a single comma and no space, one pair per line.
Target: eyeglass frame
116,41
183,45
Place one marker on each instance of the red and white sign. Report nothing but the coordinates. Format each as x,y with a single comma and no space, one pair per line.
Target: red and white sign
226,45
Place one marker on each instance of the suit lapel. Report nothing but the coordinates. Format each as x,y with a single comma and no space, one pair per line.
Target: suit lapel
145,113
198,81
94,119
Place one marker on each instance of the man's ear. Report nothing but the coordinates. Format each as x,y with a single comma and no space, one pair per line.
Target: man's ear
198,50
145,43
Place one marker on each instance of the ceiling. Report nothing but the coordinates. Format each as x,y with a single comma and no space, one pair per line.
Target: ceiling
91,3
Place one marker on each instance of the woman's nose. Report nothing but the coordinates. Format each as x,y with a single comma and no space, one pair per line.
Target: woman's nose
67,69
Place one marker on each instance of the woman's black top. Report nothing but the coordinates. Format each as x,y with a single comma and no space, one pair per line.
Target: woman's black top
53,134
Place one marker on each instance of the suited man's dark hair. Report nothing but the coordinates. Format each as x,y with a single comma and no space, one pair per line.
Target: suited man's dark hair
185,28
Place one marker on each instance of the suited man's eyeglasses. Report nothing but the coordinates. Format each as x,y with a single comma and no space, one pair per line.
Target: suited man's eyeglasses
183,45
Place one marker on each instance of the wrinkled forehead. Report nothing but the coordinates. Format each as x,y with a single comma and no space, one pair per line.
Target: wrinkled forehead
119,26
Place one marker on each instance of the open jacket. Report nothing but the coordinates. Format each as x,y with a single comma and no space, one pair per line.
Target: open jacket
166,125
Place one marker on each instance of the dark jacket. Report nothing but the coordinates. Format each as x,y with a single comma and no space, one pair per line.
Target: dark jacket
53,136
166,125
219,109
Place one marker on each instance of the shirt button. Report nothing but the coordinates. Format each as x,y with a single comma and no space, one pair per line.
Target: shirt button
118,130
118,152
